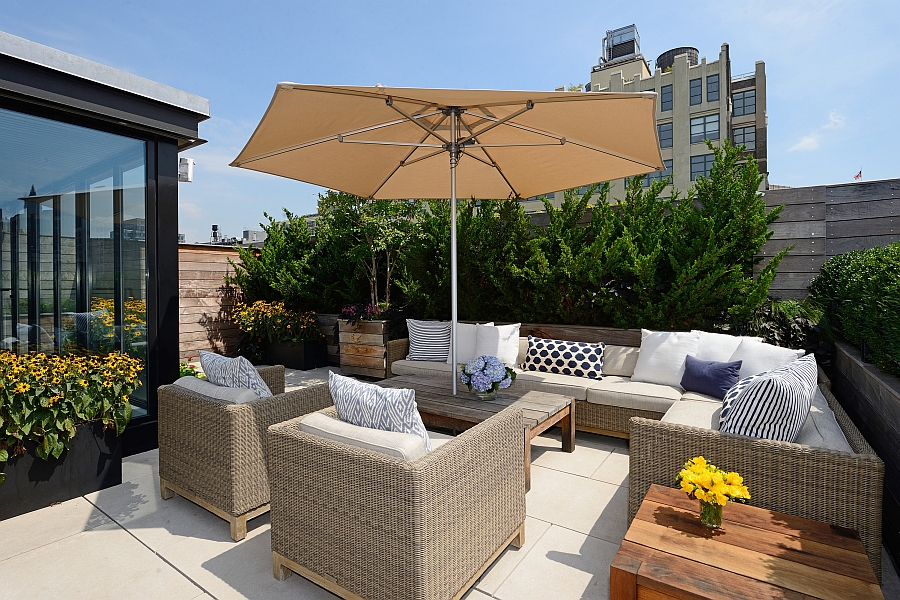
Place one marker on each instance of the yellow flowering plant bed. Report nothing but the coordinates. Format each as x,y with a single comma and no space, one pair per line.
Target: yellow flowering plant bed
44,396
274,322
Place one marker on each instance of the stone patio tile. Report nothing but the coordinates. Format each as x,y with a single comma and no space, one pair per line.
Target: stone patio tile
295,379
563,565
137,506
234,570
475,594
890,582
141,465
585,505
614,469
511,557
47,525
546,451
103,563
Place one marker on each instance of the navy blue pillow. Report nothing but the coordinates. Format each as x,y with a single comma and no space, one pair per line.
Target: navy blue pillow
710,377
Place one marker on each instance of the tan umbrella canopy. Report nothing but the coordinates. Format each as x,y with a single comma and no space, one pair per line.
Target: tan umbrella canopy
386,142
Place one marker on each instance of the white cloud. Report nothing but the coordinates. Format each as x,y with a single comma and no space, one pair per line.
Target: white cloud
191,211
813,140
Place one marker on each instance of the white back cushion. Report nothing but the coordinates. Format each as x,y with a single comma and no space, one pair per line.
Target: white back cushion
407,446
662,356
465,343
758,357
620,360
719,346
501,341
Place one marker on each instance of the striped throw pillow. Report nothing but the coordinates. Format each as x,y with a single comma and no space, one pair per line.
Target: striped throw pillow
772,405
428,340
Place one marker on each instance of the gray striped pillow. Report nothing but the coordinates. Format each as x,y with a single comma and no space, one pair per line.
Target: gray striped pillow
772,405
428,340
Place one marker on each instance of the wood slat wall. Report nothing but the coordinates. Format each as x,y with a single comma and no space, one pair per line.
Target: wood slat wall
824,221
205,301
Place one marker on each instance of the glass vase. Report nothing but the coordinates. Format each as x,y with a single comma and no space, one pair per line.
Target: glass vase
711,514
486,396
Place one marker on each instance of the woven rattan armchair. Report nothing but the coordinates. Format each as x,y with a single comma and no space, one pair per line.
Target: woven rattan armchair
213,452
838,488
366,525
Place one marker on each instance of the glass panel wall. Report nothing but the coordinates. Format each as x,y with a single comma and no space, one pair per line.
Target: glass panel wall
73,258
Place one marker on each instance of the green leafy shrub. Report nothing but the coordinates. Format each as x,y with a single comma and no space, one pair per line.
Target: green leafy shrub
859,292
43,397
274,322
787,323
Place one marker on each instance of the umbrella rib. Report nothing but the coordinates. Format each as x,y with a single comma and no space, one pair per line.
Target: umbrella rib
497,122
490,158
404,163
389,101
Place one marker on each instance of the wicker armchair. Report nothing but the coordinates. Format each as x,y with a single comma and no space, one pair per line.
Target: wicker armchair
838,488
365,525
213,452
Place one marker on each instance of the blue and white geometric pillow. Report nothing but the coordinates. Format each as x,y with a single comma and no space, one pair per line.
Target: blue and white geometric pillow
772,405
233,372
373,406
579,359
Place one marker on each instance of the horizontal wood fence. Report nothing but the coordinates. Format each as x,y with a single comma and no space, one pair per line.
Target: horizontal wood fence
205,301
827,220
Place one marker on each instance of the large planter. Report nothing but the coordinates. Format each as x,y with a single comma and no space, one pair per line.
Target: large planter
92,462
363,347
298,355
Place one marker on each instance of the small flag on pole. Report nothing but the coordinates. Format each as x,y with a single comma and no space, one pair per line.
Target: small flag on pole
858,175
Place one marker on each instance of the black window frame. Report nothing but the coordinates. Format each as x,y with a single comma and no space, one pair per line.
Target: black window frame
704,121
742,132
712,87
706,160
666,98
740,104
696,91
665,141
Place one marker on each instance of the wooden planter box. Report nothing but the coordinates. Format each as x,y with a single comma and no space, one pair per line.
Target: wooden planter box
363,348
297,355
92,462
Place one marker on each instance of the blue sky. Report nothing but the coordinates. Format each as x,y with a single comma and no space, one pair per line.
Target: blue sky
833,88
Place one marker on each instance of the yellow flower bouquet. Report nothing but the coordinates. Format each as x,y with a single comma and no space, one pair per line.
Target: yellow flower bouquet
713,487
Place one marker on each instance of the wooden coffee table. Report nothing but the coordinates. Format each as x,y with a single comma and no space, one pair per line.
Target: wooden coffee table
440,408
760,554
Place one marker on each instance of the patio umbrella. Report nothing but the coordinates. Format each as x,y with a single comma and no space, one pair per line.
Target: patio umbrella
393,143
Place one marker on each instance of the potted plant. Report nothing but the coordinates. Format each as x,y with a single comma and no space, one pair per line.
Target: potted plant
60,418
363,331
292,338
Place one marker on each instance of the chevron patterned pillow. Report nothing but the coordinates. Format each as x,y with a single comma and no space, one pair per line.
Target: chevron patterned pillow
233,372
373,406
772,405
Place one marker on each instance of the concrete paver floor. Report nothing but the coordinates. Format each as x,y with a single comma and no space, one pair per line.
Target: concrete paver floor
126,542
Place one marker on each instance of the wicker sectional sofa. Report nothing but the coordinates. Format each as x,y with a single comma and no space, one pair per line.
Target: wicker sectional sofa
834,476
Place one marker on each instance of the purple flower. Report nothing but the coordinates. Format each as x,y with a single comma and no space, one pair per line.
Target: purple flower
506,383
496,371
481,382
474,365
464,378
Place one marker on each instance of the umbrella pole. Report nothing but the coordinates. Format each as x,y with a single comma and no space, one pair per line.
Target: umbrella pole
454,158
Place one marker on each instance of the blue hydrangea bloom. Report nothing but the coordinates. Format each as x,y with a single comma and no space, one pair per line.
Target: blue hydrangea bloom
495,371
481,382
506,383
464,378
475,365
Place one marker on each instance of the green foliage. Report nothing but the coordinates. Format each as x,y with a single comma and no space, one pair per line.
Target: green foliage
787,323
274,322
859,292
186,369
43,397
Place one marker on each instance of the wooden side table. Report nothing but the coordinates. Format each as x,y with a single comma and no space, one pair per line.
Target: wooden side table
759,554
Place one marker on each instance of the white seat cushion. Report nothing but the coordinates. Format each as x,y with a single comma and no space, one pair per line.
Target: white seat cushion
758,357
625,393
694,413
662,356
423,368
407,446
552,383
217,392
698,397
438,439
620,360
821,429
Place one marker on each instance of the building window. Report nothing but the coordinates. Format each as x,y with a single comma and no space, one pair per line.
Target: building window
664,131
696,91
712,88
700,165
745,136
745,103
73,250
659,175
705,128
665,98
